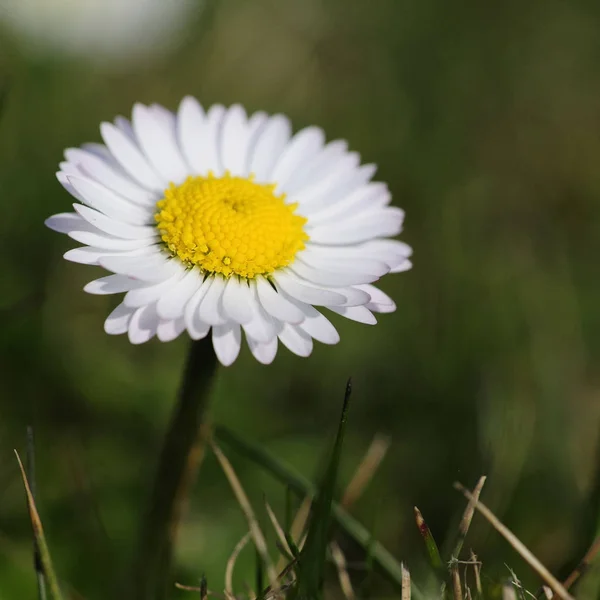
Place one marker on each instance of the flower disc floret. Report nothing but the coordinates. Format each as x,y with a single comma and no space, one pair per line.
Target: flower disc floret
230,225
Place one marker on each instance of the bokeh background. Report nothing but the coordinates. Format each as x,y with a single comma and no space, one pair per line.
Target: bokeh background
484,118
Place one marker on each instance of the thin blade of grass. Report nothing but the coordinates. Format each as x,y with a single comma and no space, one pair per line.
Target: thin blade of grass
465,522
512,539
313,556
388,565
37,560
257,536
432,548
38,532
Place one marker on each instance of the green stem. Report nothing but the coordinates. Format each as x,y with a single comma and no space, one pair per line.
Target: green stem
180,456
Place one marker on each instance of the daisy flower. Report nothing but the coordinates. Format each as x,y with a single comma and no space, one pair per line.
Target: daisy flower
215,222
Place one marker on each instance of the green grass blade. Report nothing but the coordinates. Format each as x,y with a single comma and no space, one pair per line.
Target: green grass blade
386,563
312,559
38,532
432,548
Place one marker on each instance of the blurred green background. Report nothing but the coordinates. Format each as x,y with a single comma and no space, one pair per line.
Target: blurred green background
484,118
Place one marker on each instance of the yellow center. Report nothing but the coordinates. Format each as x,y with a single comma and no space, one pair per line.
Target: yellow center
230,225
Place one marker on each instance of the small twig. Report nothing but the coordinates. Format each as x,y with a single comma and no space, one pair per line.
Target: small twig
231,565
257,536
406,589
340,562
366,469
582,567
512,539
465,522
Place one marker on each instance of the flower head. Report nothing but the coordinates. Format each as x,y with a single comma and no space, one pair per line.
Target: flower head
213,220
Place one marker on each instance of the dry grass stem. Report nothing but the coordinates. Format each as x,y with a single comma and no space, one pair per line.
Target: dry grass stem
366,469
340,562
512,539
257,536
582,567
465,522
456,586
278,530
477,573
405,583
231,565
297,529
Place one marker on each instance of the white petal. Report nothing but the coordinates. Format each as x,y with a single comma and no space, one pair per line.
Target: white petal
156,136
383,223
143,324
147,267
296,340
320,257
235,138
191,126
315,192
256,126
236,299
104,172
114,227
67,222
62,177
365,198
196,328
102,199
111,284
269,147
172,302
88,255
319,166
104,240
330,277
264,353
393,252
301,148
118,320
277,305
210,307
353,180
227,340
355,313
127,152
405,265
205,150
167,331
306,292
149,293
380,301
319,327
262,327
354,296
